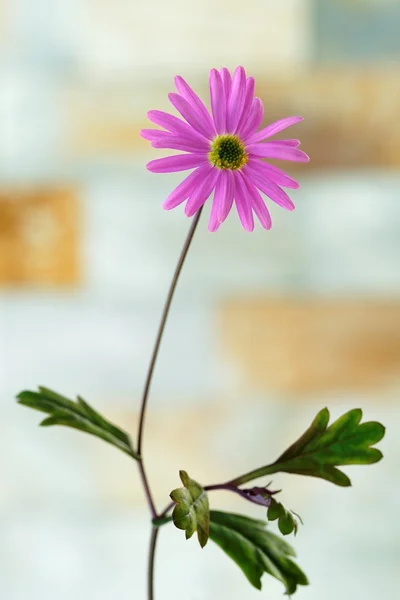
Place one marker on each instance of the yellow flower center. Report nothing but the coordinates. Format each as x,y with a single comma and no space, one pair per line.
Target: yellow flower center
228,152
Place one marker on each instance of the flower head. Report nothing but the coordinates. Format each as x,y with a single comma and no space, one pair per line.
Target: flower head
225,151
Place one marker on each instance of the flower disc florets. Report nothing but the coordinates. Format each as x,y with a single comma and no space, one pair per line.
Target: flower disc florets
228,152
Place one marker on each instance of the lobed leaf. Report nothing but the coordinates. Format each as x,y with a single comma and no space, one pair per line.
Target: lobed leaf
321,449
77,415
191,512
256,550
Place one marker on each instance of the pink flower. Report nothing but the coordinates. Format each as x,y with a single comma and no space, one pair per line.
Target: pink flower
226,150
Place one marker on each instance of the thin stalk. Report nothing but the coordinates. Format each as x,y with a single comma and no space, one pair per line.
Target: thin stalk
255,474
150,570
161,328
145,397
146,487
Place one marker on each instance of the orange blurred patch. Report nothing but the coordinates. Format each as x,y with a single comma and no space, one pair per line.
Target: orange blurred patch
309,346
38,237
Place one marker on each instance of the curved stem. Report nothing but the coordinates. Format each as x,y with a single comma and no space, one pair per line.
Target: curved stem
255,474
147,490
150,569
166,509
220,486
145,396
163,321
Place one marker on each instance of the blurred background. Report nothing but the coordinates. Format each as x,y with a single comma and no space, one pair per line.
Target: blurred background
266,329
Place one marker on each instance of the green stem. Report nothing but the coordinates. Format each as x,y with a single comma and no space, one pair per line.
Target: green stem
145,397
255,474
161,328
152,553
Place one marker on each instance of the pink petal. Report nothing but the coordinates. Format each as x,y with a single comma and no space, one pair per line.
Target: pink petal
202,192
236,99
242,202
173,124
227,81
190,96
273,129
213,223
152,134
258,204
180,162
270,189
186,187
273,173
217,96
180,142
293,143
191,115
277,150
250,84
256,115
223,197
164,139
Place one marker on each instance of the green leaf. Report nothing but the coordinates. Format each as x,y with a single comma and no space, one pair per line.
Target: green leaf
191,512
287,521
256,550
78,415
321,449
